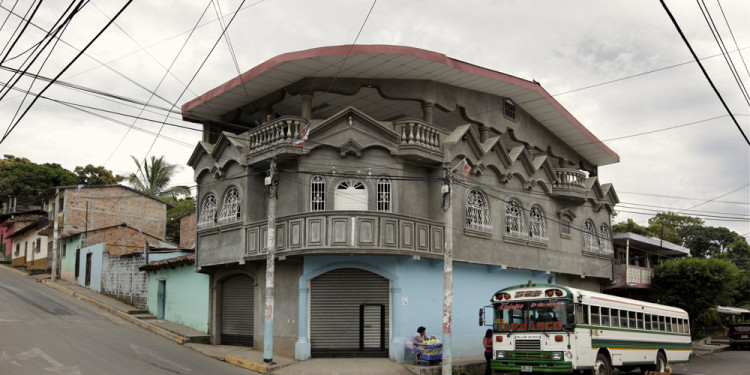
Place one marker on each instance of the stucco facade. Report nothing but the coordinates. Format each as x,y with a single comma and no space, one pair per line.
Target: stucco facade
362,196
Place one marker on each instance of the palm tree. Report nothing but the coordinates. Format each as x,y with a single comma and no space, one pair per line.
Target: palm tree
153,179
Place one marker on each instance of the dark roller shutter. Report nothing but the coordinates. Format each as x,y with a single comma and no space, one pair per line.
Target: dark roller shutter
346,317
237,311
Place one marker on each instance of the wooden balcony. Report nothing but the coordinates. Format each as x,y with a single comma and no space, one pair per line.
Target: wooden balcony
349,232
631,277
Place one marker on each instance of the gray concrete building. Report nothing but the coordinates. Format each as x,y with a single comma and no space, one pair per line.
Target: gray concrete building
361,138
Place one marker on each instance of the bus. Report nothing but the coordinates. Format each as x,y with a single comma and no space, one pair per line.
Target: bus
556,329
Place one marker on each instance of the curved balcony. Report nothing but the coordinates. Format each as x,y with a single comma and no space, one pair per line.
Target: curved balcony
570,183
273,136
419,140
361,232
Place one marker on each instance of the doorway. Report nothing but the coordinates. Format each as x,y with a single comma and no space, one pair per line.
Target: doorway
161,299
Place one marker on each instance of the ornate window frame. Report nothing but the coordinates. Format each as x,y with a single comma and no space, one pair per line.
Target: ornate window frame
538,225
514,220
605,239
385,194
231,207
207,216
477,212
317,193
590,238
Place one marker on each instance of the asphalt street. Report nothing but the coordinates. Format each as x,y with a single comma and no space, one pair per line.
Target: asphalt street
43,331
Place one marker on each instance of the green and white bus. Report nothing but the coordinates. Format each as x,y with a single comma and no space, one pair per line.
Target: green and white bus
553,328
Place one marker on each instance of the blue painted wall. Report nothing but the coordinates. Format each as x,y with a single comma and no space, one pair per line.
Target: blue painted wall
96,252
186,296
421,297
68,257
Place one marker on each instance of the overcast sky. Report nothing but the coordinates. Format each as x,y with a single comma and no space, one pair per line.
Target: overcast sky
644,78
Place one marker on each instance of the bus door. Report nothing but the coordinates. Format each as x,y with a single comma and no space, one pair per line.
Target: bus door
584,353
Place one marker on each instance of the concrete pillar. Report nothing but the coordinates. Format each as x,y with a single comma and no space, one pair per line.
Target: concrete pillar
427,109
302,346
398,343
448,278
307,105
484,133
270,265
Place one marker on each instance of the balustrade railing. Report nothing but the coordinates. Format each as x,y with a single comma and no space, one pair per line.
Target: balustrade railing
418,133
570,179
276,132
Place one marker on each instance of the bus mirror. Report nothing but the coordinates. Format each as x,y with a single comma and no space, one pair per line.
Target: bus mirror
481,316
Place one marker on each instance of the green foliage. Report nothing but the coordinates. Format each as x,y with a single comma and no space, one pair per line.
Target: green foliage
22,178
179,208
695,285
670,226
91,175
632,227
153,178
707,241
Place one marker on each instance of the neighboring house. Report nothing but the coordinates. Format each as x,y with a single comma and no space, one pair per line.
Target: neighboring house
187,230
6,244
365,136
83,209
18,248
120,239
175,291
34,246
635,258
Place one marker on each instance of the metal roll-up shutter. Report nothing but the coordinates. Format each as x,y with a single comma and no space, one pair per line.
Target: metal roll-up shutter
349,314
237,310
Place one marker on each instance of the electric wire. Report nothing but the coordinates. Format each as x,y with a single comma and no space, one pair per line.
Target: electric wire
732,34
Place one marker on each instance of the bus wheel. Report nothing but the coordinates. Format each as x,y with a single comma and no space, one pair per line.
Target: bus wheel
661,363
601,366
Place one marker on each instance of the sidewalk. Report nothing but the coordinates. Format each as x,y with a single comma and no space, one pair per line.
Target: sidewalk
704,347
242,356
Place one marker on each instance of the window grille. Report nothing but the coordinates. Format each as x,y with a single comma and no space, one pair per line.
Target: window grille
509,109
605,239
384,194
589,237
318,193
477,212
230,207
208,212
565,228
351,184
514,220
538,225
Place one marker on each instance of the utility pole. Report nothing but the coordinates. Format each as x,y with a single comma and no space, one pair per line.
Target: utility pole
447,274
54,235
271,182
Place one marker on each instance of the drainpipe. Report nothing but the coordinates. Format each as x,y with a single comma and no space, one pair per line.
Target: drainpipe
447,275
271,183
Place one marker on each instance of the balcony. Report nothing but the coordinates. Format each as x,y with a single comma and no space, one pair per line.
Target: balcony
350,232
631,277
419,140
570,184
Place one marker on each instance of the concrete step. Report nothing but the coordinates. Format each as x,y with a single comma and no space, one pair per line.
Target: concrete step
143,316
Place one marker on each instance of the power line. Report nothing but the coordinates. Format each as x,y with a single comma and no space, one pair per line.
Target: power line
732,34
716,91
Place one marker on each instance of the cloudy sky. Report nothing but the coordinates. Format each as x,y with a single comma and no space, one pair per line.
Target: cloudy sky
620,67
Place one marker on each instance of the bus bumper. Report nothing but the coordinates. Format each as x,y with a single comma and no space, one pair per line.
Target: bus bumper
525,365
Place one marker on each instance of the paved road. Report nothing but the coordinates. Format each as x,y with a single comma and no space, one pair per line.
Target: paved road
734,362
43,331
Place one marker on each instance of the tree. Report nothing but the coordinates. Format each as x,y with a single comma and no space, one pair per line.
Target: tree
22,178
707,241
695,285
632,227
179,208
670,226
153,179
91,175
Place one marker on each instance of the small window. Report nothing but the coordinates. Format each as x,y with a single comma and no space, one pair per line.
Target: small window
509,109
662,324
514,220
647,321
595,315
318,193
208,212
624,319
605,316
590,243
565,228
582,314
477,212
230,207
615,318
537,224
686,326
668,322
60,203
631,319
639,321
384,194
18,249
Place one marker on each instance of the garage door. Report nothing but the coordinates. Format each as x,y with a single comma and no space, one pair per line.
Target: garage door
237,310
349,314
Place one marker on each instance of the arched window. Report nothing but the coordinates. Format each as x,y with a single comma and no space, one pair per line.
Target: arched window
384,194
230,207
514,220
317,193
350,194
590,242
537,225
605,239
208,212
477,212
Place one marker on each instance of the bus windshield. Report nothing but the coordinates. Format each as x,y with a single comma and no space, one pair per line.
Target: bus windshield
542,315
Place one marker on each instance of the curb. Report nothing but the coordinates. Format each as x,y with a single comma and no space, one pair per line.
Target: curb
250,365
14,270
125,316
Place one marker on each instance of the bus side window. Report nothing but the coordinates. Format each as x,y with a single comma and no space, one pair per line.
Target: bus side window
669,323
640,320
631,319
582,314
675,327
686,326
595,315
662,325
624,319
605,316
648,322
615,318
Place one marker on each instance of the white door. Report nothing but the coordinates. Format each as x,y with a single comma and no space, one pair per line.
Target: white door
350,195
